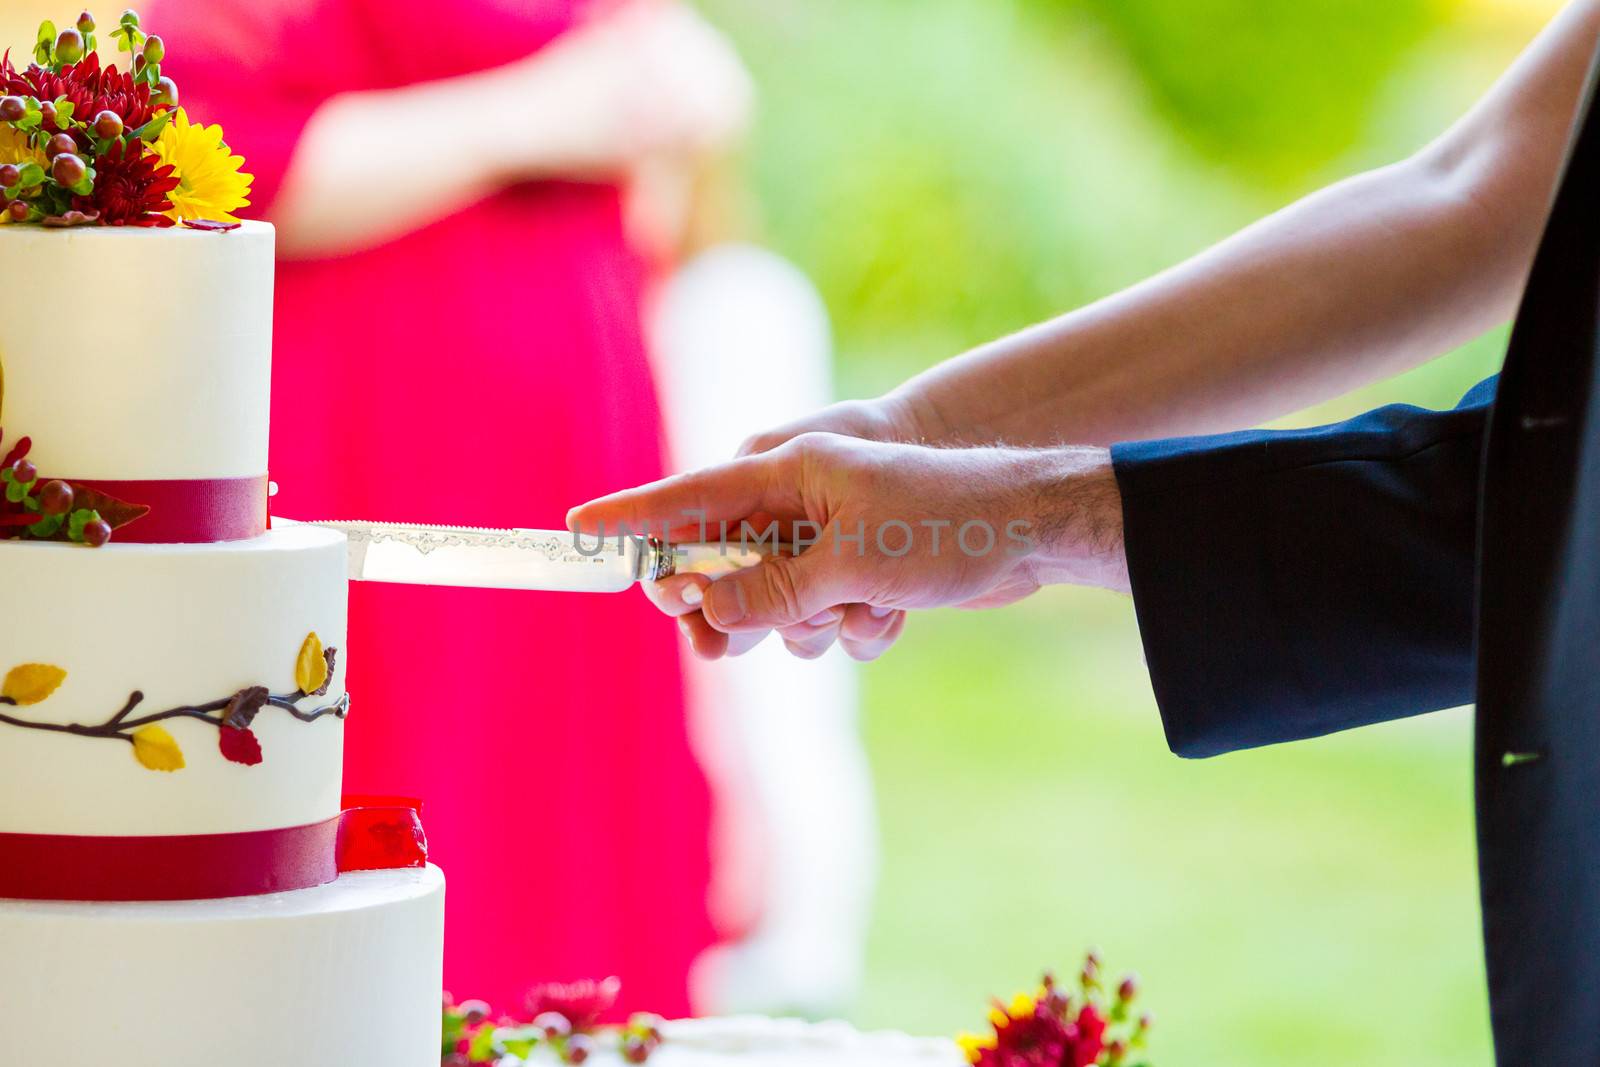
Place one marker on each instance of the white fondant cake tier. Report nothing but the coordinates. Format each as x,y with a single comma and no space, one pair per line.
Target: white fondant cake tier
184,625
343,975
123,387
749,1041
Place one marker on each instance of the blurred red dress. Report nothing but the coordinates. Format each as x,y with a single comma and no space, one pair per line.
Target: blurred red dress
486,370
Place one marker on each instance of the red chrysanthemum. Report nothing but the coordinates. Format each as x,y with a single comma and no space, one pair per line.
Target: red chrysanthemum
129,188
91,88
580,1003
1042,1038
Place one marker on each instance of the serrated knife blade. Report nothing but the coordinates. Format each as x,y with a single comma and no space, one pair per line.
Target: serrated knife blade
548,560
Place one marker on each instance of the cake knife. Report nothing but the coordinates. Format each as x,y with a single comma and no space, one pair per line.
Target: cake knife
551,560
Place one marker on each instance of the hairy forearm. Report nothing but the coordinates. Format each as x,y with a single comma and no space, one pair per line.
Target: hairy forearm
1352,284
1355,283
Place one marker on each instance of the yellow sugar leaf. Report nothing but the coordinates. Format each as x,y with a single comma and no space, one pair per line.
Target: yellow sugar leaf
311,666
32,682
155,748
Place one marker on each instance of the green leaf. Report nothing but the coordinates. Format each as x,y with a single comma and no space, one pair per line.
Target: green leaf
29,121
29,174
16,490
152,129
64,109
80,518
47,33
47,526
453,1025
482,1044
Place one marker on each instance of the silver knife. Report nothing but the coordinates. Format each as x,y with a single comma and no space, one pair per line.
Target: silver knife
550,560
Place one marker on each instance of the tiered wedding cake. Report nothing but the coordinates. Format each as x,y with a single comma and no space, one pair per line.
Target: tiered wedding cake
171,718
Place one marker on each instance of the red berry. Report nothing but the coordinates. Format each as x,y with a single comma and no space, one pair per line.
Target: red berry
96,533
108,124
48,110
69,45
1128,989
61,142
86,23
18,210
67,169
55,498
635,1050
9,175
166,92
155,49
12,108
579,1048
553,1023
24,471
475,1010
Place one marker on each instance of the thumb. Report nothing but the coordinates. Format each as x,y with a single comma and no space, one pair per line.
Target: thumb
782,591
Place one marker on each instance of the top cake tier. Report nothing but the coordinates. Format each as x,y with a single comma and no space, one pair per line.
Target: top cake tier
122,388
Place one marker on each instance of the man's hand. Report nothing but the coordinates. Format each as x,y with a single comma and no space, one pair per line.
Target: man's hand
887,527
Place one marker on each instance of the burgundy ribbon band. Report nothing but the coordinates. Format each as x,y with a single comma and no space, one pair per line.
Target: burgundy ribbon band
189,867
372,833
189,510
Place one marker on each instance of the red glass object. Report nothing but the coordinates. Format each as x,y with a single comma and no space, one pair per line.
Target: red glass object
378,833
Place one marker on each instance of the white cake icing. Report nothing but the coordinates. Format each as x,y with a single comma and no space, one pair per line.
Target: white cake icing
343,975
750,1041
184,624
158,367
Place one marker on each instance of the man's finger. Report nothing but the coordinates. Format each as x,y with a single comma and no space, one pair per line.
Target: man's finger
708,643
865,634
730,490
815,636
679,595
782,591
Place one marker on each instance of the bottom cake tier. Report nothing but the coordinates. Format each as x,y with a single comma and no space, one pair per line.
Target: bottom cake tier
750,1041
346,974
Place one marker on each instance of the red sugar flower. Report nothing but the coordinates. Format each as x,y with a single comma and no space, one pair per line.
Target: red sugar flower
129,188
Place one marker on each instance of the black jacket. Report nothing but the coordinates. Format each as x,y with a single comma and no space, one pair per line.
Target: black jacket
1293,583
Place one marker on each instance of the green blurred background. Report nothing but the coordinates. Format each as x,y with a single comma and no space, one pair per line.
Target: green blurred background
950,170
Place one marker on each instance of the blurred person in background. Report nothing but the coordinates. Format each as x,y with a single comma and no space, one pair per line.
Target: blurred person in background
459,340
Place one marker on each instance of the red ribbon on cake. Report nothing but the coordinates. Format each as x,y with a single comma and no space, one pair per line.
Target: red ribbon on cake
189,510
373,833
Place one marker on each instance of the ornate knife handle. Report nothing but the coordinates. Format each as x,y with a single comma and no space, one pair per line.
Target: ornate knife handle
715,561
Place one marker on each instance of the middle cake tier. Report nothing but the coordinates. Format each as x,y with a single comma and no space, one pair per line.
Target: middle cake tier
155,691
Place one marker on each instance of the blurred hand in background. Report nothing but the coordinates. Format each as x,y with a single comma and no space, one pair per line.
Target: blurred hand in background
648,80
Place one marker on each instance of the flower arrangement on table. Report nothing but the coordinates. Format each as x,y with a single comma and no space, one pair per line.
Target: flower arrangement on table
1058,1027
83,143
561,1018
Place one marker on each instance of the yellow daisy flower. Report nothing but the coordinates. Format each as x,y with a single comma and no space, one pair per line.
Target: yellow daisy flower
14,148
210,183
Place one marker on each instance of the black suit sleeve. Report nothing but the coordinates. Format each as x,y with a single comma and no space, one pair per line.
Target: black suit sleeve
1293,583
